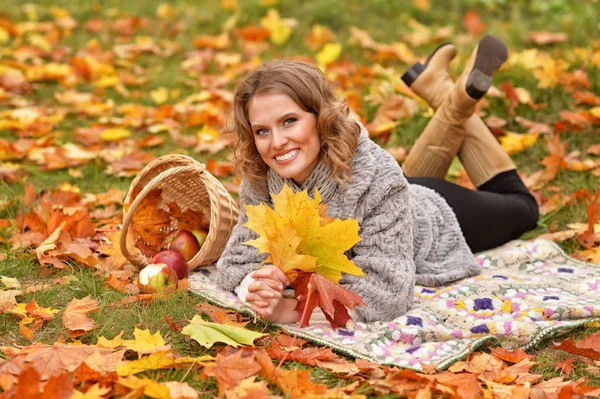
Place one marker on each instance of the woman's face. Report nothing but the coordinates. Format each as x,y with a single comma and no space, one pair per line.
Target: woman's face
285,135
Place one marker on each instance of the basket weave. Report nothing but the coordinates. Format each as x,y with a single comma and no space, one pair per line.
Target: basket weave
186,182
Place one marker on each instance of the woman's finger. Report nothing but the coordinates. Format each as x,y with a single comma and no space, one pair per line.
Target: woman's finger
259,303
265,284
273,273
266,295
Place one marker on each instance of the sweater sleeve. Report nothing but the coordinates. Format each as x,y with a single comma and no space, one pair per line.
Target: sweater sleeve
385,253
238,259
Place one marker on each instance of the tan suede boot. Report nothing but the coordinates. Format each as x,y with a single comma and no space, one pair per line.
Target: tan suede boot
480,153
431,81
441,139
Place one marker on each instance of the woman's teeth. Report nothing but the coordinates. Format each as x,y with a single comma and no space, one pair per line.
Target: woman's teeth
287,156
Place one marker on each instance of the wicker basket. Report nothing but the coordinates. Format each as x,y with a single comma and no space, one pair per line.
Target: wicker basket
185,182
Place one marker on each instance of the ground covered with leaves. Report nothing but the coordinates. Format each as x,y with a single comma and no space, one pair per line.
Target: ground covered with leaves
92,92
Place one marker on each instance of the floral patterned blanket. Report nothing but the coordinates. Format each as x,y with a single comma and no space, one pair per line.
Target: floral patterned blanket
527,291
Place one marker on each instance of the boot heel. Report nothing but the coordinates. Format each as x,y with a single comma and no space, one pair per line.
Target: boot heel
491,54
416,69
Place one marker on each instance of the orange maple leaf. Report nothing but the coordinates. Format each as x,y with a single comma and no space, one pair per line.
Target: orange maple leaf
589,238
565,366
314,290
229,370
513,356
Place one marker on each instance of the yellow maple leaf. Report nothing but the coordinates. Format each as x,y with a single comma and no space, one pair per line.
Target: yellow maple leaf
95,392
280,29
516,142
115,134
152,388
549,75
145,342
159,360
329,53
112,343
299,235
160,95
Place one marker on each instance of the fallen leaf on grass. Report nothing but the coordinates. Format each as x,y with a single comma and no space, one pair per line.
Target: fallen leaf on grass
589,237
473,23
517,142
160,360
565,366
206,333
513,356
75,318
53,359
230,370
147,386
295,384
220,315
588,346
145,342
594,149
249,388
543,38
110,343
10,282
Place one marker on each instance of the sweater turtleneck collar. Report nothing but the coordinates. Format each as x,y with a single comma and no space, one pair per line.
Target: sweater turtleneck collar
320,178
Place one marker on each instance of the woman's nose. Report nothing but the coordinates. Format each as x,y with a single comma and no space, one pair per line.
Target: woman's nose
279,139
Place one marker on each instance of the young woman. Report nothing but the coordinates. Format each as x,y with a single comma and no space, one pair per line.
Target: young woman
415,230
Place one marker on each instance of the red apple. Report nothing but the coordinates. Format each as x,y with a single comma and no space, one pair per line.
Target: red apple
175,261
183,242
157,278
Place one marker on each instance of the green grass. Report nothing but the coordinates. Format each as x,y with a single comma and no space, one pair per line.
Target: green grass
386,21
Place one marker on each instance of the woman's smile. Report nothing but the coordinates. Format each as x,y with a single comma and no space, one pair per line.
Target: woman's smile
288,157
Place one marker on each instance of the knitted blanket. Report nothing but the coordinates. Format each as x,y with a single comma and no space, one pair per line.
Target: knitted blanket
528,291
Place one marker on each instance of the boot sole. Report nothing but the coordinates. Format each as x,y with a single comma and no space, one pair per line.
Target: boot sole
417,68
491,54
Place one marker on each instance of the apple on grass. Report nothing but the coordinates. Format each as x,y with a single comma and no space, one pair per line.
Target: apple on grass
157,278
183,242
175,261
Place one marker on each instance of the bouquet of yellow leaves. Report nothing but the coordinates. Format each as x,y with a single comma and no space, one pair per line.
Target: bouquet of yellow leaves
308,246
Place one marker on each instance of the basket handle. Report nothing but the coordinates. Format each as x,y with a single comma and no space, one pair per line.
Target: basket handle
138,258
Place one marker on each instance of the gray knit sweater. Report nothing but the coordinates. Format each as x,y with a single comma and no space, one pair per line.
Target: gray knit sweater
409,235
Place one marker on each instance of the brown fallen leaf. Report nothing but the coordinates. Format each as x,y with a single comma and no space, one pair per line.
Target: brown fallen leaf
75,318
49,360
295,384
543,38
594,149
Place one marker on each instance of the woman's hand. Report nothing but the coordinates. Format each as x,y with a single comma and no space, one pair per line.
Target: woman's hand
265,295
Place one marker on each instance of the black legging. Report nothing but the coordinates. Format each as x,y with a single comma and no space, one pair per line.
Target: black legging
501,210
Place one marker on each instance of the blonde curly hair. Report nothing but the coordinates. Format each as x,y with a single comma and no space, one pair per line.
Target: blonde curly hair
309,88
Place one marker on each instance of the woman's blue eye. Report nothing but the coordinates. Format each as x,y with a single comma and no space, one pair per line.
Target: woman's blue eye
261,131
289,120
